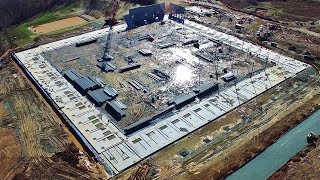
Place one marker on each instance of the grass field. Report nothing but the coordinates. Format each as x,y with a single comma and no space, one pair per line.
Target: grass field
25,36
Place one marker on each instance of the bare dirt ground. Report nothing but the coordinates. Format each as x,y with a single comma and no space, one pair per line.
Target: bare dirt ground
57,25
289,10
34,142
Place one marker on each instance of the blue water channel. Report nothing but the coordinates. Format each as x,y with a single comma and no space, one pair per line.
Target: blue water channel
276,155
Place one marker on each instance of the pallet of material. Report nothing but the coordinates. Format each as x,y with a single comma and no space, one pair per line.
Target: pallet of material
107,56
85,42
105,66
203,56
160,74
111,92
133,84
129,67
193,41
141,85
144,52
167,45
154,77
215,41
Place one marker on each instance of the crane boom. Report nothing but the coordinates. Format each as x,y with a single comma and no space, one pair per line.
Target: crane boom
111,21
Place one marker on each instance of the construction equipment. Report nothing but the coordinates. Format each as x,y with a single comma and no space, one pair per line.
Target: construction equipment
110,21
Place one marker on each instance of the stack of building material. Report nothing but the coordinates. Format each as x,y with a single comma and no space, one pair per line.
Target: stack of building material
120,104
204,55
86,83
129,67
98,97
111,92
129,59
145,52
106,66
72,75
133,84
114,110
138,85
160,74
107,57
167,45
155,77
193,41
147,37
85,42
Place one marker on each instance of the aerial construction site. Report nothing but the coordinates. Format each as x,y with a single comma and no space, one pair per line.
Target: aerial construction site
165,89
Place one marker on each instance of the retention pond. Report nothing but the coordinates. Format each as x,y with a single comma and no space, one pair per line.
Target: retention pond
276,155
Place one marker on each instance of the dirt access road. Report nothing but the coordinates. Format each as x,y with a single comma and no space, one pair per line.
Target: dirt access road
34,142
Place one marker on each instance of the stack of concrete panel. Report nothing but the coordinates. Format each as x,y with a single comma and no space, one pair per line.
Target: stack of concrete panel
98,97
111,92
114,110
86,83
72,75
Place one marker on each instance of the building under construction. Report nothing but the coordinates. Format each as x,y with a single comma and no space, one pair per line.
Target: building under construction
162,78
